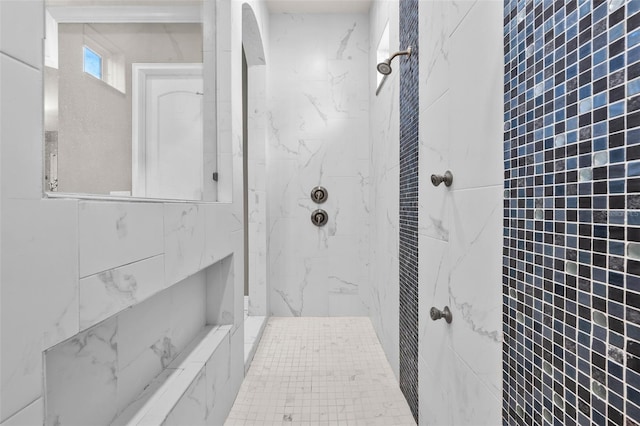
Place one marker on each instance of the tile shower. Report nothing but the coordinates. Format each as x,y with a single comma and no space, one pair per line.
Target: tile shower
531,104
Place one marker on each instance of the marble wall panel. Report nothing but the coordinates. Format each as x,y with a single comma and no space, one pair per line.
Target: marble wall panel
475,70
39,283
184,240
384,135
192,407
81,377
93,377
107,293
49,245
115,234
218,373
460,226
318,125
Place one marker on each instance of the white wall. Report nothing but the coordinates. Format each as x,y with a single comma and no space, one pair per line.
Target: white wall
319,135
460,234
385,188
52,249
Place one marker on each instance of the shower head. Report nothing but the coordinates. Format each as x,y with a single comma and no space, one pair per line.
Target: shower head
384,67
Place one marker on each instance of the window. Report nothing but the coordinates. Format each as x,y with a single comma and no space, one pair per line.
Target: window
102,59
92,63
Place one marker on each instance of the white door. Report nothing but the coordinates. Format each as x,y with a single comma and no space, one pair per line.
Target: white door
168,131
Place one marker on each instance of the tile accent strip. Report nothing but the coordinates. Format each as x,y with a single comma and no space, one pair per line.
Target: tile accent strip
571,270
409,204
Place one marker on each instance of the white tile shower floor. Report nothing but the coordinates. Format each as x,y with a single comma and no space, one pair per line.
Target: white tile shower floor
320,371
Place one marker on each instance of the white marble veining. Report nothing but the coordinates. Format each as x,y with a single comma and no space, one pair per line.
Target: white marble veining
143,330
46,232
140,404
256,174
476,147
220,295
115,234
50,245
142,341
236,364
460,226
475,299
189,294
258,252
382,292
184,240
318,124
220,222
218,373
461,398
435,202
166,397
253,328
192,407
180,394
434,290
144,345
109,292
434,46
83,368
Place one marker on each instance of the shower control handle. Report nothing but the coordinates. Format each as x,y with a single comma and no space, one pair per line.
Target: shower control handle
319,194
447,178
319,217
436,314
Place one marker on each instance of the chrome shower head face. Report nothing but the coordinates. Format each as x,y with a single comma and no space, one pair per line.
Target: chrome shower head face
384,67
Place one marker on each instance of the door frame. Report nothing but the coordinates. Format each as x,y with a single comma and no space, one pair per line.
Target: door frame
139,74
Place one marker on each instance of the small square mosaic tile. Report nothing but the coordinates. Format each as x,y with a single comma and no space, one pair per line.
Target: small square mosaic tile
408,209
320,371
571,269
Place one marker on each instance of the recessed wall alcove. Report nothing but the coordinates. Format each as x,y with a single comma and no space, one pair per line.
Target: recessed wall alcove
150,362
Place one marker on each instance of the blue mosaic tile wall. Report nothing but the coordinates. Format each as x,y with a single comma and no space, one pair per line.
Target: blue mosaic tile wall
409,205
571,270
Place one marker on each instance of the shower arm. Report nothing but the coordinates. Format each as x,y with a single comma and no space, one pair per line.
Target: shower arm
402,52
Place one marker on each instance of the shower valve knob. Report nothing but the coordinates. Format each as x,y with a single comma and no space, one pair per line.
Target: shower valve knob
319,217
319,194
447,178
436,314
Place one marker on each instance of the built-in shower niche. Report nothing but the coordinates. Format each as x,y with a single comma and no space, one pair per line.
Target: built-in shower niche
158,362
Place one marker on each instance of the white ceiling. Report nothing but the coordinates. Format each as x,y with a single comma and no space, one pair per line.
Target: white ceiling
318,6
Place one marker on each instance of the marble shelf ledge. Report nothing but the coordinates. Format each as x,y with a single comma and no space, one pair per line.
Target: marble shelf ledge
156,402
253,329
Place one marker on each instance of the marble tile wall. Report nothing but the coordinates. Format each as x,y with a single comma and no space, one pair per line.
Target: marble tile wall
318,123
67,264
384,193
257,198
114,361
460,226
